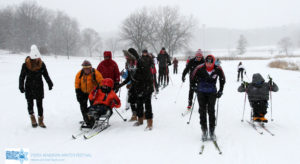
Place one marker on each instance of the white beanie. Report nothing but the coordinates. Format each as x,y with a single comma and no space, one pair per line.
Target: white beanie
34,52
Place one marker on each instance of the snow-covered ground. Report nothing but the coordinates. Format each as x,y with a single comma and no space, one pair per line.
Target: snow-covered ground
172,139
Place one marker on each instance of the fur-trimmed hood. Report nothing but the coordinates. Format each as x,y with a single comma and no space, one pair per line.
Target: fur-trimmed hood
33,64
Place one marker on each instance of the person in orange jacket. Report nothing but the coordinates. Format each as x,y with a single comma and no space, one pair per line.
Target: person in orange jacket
86,80
103,99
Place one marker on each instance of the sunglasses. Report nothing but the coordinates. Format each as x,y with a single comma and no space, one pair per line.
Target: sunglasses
209,60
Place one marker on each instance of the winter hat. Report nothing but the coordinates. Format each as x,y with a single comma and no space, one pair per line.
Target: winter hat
145,51
210,59
108,82
34,52
163,48
199,53
133,52
86,64
107,54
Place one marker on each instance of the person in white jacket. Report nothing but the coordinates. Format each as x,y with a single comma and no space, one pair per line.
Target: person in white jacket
241,69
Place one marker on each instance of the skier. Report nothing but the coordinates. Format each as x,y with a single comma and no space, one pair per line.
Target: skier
32,70
109,69
241,70
142,84
204,78
218,62
258,94
103,99
86,79
175,65
164,61
192,64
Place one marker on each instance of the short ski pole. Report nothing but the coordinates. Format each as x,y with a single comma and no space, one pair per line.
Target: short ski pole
271,98
244,107
192,110
120,115
217,111
178,92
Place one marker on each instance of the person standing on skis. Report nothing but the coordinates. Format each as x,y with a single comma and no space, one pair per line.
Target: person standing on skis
191,65
241,70
205,77
175,66
258,94
164,61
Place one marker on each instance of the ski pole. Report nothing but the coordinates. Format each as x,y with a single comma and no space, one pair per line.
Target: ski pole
217,111
178,93
244,107
192,110
271,98
120,115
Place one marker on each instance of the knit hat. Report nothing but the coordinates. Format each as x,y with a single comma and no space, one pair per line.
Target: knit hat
34,52
86,64
145,51
199,53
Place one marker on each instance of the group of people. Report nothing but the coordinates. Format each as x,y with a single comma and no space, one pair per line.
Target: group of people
99,87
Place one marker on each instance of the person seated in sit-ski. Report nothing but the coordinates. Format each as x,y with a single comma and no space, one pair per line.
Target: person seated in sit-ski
103,99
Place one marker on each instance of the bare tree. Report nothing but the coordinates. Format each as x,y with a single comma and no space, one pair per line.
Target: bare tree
285,45
113,44
7,30
242,44
91,41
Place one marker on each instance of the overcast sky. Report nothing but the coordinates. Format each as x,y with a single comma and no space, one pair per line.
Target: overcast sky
107,15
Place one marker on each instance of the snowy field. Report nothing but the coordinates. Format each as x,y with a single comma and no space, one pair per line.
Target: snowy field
172,139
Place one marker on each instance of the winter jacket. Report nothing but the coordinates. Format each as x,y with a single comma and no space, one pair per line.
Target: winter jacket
109,69
111,99
258,89
241,68
175,62
34,87
87,82
191,65
163,60
206,82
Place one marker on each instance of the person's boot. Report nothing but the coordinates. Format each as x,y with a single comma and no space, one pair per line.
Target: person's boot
149,124
212,133
33,121
41,122
204,133
139,122
133,117
263,119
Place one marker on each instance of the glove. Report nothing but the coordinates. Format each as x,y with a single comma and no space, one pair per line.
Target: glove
22,90
50,86
245,84
183,78
78,94
116,87
219,94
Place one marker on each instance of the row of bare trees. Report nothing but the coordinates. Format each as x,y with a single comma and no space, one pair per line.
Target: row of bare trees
54,32
156,28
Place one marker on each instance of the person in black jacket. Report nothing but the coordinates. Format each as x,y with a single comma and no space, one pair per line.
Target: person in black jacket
258,95
32,71
191,65
164,61
205,78
142,85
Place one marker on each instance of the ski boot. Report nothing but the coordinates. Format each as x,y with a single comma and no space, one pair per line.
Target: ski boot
212,133
204,134
33,121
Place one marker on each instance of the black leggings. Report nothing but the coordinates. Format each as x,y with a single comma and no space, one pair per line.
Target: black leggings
207,105
39,103
240,72
145,99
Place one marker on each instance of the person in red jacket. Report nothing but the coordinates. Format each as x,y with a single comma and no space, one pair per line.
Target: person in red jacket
103,99
109,69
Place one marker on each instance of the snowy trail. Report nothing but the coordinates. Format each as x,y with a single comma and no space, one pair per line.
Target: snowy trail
172,139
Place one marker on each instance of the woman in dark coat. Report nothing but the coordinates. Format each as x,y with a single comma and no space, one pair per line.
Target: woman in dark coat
32,70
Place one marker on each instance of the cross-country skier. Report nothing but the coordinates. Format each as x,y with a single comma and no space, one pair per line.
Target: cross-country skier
32,70
175,66
191,65
205,78
164,61
103,99
258,95
85,81
240,71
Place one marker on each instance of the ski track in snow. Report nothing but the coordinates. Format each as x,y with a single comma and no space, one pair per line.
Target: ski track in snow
172,140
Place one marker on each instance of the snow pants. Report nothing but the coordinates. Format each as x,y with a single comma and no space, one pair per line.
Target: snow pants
259,108
207,103
240,73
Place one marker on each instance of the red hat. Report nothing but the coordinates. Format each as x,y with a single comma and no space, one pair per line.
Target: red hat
107,54
108,82
199,53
